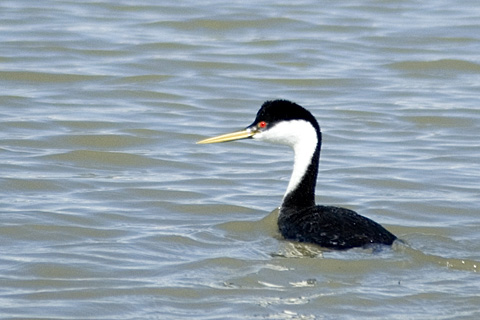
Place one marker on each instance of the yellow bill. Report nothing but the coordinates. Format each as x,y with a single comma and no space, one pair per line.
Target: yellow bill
229,137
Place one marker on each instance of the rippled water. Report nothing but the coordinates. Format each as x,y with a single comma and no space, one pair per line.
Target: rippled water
109,210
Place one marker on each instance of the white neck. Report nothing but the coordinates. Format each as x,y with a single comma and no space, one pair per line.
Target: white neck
302,137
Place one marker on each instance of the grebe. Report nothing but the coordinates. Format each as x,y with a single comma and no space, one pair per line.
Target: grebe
285,122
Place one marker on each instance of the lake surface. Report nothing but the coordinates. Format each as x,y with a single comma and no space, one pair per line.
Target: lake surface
109,210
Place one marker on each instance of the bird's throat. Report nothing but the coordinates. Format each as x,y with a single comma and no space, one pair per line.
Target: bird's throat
301,188
305,138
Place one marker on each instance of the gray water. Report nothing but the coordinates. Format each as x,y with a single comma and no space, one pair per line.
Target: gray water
109,210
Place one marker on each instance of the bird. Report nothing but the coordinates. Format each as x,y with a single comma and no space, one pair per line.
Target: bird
300,219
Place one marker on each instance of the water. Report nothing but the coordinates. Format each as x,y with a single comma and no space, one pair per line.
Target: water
109,210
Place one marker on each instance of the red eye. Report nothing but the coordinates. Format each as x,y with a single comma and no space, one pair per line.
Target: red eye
262,124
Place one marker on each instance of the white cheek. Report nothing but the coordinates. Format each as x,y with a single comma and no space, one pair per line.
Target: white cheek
289,133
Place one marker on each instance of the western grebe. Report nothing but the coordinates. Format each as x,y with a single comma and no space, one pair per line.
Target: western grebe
285,122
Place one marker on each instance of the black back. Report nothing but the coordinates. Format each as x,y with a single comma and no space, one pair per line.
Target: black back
332,227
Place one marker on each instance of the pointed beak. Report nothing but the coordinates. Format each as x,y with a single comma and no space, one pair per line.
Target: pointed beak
243,134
